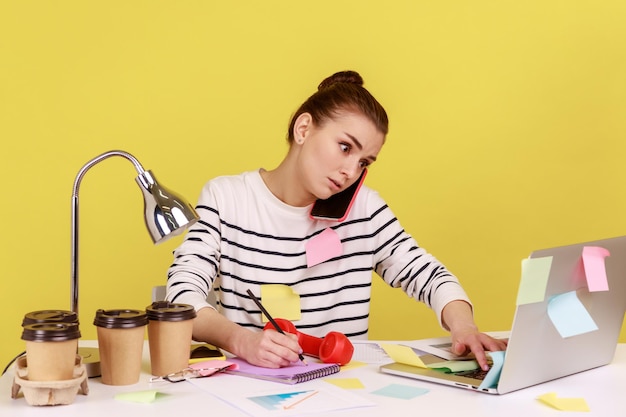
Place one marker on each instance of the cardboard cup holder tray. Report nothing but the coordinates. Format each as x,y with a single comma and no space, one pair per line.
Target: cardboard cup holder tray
49,392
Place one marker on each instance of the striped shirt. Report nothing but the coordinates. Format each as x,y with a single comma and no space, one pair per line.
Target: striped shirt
246,237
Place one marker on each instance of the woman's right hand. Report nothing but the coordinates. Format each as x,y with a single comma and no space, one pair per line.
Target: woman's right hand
269,348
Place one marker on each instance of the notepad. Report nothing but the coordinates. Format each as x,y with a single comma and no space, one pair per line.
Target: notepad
288,375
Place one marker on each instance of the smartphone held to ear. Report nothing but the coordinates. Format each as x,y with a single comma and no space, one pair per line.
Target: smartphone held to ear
337,206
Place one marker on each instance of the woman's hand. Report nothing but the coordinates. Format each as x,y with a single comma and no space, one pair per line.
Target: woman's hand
470,340
466,339
270,349
267,348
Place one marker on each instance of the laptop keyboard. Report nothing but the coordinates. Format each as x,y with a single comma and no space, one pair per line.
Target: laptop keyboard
474,373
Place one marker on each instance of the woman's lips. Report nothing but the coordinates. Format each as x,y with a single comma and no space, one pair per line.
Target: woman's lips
334,184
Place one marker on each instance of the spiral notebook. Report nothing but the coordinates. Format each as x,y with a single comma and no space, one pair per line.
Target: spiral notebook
293,374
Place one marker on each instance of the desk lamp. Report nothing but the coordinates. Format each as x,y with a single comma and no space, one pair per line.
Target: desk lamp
166,215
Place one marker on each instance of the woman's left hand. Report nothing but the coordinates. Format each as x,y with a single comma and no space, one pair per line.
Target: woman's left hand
470,340
466,339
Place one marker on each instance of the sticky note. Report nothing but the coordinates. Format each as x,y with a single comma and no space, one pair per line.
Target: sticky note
535,273
137,396
346,383
280,301
493,376
403,354
404,392
569,315
564,404
595,269
454,366
352,365
325,246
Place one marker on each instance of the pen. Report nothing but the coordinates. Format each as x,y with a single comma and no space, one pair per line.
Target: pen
276,326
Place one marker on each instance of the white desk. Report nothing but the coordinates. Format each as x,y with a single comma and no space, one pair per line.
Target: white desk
603,389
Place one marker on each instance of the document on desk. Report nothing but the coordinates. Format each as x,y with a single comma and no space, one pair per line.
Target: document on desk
270,399
369,352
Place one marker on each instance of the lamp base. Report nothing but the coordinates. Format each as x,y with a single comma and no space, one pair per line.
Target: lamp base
91,360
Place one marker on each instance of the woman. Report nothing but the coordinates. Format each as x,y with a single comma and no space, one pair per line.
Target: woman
255,227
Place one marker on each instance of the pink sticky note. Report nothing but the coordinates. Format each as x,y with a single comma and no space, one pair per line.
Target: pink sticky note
323,247
595,270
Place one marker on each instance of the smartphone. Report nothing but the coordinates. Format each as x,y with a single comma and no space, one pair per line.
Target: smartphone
203,352
337,206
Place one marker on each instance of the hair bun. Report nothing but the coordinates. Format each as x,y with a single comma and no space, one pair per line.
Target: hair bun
346,77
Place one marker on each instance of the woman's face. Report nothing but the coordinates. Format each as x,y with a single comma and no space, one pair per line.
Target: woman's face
333,154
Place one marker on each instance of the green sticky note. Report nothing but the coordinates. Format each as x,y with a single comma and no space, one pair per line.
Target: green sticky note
137,396
454,366
535,273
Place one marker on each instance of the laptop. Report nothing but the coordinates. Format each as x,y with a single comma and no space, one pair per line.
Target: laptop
537,352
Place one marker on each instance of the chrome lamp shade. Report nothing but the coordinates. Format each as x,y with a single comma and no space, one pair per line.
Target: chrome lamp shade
166,213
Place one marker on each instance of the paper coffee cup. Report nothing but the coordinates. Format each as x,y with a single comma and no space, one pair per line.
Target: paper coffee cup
50,350
170,327
120,341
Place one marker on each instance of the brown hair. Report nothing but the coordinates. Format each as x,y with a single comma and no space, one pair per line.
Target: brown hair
341,91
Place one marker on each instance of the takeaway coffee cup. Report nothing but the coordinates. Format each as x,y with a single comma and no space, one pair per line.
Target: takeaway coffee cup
50,350
120,341
169,335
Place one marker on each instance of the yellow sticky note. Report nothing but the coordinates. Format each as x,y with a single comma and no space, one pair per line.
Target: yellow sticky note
403,354
352,365
346,383
137,396
280,302
564,404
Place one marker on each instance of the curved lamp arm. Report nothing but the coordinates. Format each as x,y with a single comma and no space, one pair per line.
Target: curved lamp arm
166,213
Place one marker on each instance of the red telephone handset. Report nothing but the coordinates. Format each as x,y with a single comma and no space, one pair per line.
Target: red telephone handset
335,347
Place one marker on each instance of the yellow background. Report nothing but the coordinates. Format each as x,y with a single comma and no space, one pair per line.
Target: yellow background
507,132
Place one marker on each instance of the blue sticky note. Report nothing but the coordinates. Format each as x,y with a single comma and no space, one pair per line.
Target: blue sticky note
404,392
569,315
493,376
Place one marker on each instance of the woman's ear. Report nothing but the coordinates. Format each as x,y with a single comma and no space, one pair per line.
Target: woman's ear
302,127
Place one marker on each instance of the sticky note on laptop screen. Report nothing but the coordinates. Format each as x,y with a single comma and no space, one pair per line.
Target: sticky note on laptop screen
569,315
535,273
595,270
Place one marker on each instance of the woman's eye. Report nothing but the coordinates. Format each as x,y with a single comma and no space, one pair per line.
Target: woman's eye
344,147
364,164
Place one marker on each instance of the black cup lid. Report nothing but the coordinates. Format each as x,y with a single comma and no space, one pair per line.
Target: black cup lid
120,319
50,316
166,311
50,332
